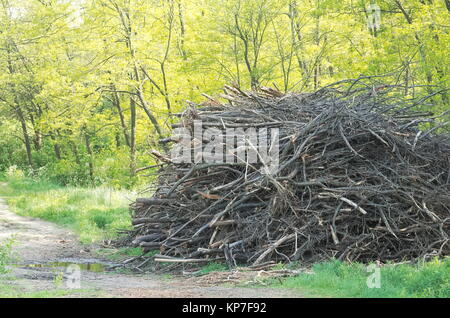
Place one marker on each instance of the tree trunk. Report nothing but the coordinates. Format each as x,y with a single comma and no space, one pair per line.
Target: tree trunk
116,101
133,136
26,137
87,140
75,153
317,41
56,147
182,31
37,138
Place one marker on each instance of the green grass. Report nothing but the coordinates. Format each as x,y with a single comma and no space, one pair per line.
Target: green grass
120,253
93,213
9,289
337,279
97,213
213,267
5,255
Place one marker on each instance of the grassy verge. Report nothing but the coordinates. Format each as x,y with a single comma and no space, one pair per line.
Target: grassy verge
5,255
337,279
9,290
119,254
213,267
93,213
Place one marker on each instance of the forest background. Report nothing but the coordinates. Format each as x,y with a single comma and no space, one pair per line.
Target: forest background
88,87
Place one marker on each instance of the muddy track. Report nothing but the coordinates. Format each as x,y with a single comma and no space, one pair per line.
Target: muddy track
39,242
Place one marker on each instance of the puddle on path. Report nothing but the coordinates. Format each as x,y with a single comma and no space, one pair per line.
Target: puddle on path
93,265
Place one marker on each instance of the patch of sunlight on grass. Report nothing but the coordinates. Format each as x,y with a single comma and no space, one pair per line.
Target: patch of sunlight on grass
93,213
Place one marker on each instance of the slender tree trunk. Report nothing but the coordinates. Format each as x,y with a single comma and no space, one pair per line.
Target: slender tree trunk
236,61
87,141
296,38
56,147
37,138
166,90
182,31
118,141
132,136
144,103
75,153
26,137
317,41
116,101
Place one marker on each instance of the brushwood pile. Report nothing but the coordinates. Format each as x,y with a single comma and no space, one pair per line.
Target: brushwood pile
360,173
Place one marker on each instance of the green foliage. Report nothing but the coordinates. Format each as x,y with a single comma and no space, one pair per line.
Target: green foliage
120,253
74,81
5,255
94,213
213,267
338,279
8,290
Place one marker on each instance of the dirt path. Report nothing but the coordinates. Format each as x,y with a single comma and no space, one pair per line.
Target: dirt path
39,242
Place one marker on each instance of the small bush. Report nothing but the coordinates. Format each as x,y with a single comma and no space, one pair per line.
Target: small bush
13,172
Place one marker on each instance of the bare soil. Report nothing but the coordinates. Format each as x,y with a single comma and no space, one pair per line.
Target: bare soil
40,242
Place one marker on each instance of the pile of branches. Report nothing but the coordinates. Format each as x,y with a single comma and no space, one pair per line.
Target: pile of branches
357,180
